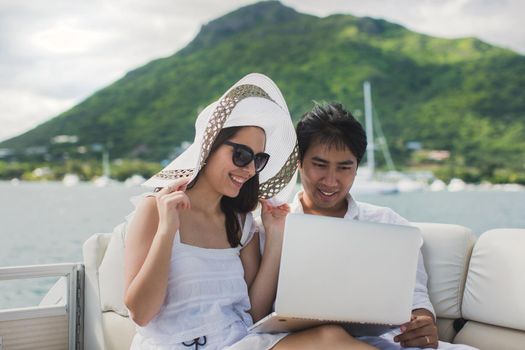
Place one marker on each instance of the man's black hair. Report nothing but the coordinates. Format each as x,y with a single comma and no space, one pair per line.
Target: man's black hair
331,125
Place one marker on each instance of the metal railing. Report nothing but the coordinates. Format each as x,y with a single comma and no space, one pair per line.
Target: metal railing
73,306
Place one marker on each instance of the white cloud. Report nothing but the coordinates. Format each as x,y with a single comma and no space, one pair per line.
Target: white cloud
54,54
495,21
23,110
66,38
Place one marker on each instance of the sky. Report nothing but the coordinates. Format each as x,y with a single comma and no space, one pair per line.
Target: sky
56,53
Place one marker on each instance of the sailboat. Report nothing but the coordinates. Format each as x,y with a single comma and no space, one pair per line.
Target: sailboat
366,181
105,179
70,180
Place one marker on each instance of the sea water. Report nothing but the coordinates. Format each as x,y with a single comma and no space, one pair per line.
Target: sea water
43,223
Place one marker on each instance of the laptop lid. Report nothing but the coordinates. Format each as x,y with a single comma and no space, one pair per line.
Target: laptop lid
347,271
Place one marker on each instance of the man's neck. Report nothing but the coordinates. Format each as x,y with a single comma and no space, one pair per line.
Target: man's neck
338,211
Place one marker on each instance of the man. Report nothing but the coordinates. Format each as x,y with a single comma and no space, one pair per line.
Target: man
331,146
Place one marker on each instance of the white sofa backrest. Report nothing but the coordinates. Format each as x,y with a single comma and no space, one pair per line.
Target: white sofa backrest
106,322
111,273
495,290
493,301
93,252
446,251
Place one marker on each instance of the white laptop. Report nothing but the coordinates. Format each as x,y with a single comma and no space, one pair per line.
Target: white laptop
335,270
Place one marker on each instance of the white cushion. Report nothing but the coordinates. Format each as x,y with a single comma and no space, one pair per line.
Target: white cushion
446,331
93,252
94,248
118,331
111,274
446,251
488,337
495,288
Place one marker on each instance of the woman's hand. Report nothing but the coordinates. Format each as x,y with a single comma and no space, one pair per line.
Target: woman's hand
170,201
273,219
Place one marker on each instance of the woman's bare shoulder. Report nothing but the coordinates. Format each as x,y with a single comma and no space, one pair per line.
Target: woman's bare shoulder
147,204
146,218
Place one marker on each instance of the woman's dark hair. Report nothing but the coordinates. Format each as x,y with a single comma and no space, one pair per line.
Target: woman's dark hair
245,202
331,124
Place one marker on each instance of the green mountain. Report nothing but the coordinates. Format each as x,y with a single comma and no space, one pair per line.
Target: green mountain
462,95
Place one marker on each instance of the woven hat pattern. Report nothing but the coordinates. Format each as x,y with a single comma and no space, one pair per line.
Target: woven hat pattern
223,111
273,186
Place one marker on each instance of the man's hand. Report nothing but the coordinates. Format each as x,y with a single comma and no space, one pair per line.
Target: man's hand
420,332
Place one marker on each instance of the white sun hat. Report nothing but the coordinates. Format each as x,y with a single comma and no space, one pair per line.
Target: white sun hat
255,100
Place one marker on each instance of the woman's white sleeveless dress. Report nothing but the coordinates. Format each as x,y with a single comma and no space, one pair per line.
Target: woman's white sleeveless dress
207,302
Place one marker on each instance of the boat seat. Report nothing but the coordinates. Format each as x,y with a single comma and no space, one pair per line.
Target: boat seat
446,252
106,321
493,301
486,290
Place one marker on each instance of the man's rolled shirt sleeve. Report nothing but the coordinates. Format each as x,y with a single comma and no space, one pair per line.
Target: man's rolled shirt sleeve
421,299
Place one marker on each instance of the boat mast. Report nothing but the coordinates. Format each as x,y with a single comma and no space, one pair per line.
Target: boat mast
369,128
105,163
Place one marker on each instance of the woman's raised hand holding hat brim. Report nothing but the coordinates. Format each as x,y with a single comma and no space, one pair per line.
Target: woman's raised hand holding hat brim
176,185
170,200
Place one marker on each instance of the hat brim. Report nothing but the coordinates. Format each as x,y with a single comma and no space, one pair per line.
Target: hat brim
269,113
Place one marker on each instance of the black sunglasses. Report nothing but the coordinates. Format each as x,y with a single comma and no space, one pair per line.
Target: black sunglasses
243,155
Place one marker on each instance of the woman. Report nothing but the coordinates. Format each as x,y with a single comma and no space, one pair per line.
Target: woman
194,275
